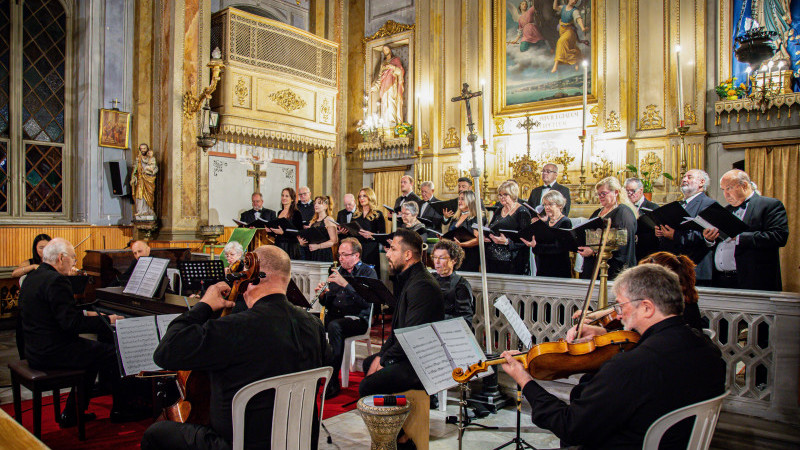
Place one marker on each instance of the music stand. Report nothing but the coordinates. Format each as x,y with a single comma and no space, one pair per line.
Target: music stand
374,291
296,296
197,275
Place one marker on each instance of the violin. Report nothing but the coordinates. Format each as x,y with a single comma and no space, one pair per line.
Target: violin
560,359
194,386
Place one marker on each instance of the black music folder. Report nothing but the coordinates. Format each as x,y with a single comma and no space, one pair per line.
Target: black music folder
536,211
314,235
486,230
295,295
391,210
570,238
462,234
258,223
352,228
450,205
282,223
372,290
383,238
672,214
717,216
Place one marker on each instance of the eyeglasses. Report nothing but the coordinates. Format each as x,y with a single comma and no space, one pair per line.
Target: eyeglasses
618,305
503,194
631,191
549,171
347,255
441,258
604,194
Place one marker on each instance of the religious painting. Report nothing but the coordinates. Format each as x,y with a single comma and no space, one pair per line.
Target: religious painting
539,48
389,80
114,128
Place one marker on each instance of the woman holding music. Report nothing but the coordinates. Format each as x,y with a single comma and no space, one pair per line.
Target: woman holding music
289,212
370,219
467,216
552,259
617,207
502,254
322,218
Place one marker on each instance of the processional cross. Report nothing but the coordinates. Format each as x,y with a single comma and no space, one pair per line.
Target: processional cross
527,125
256,174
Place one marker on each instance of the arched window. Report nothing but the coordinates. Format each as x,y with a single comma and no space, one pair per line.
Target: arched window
34,131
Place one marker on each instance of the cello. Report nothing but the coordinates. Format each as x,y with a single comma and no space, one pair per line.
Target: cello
194,386
560,359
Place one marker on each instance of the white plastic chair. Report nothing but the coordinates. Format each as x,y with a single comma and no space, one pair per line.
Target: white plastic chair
349,357
706,412
442,400
292,417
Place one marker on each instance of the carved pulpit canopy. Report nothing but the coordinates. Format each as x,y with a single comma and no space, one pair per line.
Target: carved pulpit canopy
280,83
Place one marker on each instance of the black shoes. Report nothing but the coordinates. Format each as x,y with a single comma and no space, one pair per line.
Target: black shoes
69,420
333,389
434,401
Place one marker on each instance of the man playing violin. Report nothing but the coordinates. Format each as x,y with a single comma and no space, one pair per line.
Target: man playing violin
672,366
272,337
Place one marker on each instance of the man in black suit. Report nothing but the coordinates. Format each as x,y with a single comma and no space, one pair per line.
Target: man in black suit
258,211
419,302
426,188
272,337
671,367
549,177
305,205
52,323
750,260
406,193
689,242
346,214
346,312
646,240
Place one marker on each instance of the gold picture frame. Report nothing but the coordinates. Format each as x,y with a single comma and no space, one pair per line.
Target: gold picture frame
114,128
522,69
400,40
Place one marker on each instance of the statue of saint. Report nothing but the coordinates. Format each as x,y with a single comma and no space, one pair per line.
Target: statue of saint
143,184
390,86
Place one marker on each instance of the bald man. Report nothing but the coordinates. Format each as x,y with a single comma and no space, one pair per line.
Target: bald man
549,177
139,248
304,204
272,337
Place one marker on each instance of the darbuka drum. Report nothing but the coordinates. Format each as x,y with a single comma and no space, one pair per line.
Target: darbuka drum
383,422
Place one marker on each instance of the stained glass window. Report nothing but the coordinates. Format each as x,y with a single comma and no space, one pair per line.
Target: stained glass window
43,181
5,67
44,47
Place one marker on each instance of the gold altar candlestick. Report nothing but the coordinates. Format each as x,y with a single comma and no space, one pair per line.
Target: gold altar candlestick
582,198
684,157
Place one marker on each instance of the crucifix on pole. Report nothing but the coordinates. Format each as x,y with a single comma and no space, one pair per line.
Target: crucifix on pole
256,175
475,172
527,125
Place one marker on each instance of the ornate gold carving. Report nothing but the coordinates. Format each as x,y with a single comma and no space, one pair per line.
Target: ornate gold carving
602,168
287,100
652,165
389,28
451,178
500,125
526,173
426,141
325,110
688,113
651,119
452,139
564,158
241,91
593,112
612,122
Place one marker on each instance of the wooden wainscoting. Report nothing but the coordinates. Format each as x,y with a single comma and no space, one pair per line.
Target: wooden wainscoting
18,239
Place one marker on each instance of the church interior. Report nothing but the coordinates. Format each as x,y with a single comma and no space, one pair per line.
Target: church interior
164,121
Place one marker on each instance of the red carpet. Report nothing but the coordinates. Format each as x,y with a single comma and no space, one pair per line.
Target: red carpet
101,434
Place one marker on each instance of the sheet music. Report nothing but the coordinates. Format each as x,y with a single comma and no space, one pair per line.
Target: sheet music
698,220
137,340
163,321
427,356
152,277
138,274
460,344
504,306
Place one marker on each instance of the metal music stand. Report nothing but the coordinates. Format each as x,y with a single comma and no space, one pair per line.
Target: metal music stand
197,275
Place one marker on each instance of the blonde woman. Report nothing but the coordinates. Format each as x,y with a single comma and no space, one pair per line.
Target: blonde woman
615,205
323,252
466,216
502,254
370,219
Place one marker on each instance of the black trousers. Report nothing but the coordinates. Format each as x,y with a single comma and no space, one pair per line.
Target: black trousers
168,435
338,330
725,280
394,378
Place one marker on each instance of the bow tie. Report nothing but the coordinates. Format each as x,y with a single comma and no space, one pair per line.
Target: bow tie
548,187
742,206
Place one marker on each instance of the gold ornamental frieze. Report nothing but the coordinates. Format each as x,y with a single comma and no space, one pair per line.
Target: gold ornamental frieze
287,100
688,113
452,139
387,29
612,122
242,91
326,111
652,165
499,125
651,119
451,178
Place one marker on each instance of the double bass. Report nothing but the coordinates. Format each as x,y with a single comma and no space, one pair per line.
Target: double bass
560,359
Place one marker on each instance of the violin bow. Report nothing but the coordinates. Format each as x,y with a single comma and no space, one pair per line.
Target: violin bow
84,240
597,263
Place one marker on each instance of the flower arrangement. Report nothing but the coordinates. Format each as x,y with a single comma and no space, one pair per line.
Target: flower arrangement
727,90
403,129
647,179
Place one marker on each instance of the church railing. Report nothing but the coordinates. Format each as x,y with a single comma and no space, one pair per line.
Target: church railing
758,333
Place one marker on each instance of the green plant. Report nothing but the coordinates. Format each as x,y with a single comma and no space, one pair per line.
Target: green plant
728,89
647,179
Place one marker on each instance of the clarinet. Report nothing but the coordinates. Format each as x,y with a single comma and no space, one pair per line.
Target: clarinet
331,269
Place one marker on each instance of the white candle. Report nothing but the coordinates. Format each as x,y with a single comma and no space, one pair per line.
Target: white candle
419,123
680,85
585,88
487,114
483,112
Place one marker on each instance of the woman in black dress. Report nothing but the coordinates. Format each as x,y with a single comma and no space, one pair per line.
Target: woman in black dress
409,213
552,259
617,207
502,254
456,290
467,216
370,219
290,212
323,251
29,265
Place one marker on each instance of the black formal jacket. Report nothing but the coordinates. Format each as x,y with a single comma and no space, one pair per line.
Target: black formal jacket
250,215
646,241
552,258
272,338
50,319
536,196
306,211
411,197
457,295
431,214
345,301
621,217
419,302
756,254
691,243
672,366
341,216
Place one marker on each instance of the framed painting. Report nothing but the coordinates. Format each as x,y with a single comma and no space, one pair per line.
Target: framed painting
114,128
389,81
539,47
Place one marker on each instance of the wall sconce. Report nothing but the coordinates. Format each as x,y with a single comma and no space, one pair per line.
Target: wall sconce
192,104
209,121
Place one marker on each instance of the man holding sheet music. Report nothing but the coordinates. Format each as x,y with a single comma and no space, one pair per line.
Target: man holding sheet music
271,338
646,240
406,194
419,301
549,177
52,324
750,260
426,212
258,211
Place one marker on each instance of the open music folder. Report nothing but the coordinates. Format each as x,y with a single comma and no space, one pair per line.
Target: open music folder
137,339
147,278
436,349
